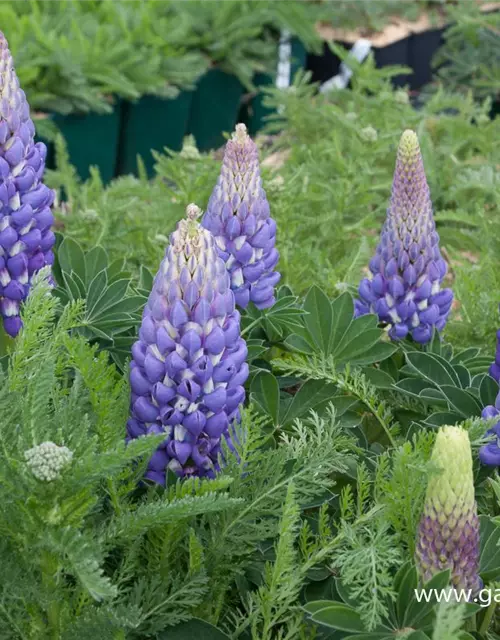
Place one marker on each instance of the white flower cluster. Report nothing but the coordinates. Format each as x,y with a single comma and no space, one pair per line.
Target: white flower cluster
369,134
189,149
47,460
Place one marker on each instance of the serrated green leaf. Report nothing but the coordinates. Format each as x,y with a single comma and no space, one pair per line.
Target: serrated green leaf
194,628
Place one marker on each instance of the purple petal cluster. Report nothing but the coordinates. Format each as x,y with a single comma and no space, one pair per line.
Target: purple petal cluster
26,237
188,366
238,216
404,289
489,454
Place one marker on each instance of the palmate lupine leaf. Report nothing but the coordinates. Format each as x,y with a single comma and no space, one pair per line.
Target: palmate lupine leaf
112,303
330,329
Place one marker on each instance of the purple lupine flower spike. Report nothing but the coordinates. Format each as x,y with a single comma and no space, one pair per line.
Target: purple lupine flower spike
404,289
489,454
448,535
188,366
239,218
26,237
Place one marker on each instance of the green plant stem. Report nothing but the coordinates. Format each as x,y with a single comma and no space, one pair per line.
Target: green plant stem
49,569
250,326
6,343
487,618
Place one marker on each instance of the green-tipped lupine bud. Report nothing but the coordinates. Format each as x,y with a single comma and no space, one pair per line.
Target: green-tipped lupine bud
448,536
47,460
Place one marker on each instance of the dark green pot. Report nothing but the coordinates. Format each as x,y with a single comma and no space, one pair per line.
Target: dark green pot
39,137
152,123
256,111
214,109
92,139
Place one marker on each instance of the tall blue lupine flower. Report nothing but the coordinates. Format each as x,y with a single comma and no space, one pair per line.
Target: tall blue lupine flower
238,216
188,366
407,270
489,454
26,237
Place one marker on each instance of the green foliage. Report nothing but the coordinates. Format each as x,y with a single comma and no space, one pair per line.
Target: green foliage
95,550
113,306
76,56
464,63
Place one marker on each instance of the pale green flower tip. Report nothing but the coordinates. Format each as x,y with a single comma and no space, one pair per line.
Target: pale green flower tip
452,455
369,134
409,147
351,115
47,460
240,134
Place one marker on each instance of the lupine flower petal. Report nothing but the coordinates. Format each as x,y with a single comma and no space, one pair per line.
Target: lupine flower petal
238,217
448,535
489,454
188,366
407,270
26,239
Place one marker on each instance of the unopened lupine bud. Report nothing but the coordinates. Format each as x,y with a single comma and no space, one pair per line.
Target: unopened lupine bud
26,238
238,216
188,366
404,289
489,454
448,535
47,460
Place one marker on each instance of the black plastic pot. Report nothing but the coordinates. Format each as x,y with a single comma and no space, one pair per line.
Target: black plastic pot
214,108
256,111
151,123
327,65
423,46
92,139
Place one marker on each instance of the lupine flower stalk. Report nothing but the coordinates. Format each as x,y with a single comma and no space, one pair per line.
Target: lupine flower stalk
489,454
448,535
188,366
26,237
238,216
404,288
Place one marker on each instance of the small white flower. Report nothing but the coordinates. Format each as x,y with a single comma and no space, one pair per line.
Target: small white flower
401,96
189,149
369,134
47,460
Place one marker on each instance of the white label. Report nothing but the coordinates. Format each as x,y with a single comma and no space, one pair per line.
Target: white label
359,51
284,61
